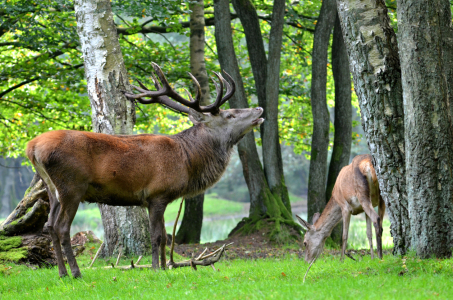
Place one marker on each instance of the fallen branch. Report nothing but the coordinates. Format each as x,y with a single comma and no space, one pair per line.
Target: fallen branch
202,260
96,256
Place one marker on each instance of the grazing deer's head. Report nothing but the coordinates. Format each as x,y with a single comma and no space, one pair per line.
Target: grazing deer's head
314,239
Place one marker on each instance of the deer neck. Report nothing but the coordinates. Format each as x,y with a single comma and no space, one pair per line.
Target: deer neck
206,157
329,218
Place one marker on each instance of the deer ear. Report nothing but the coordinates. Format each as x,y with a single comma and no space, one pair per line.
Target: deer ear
304,223
316,217
197,117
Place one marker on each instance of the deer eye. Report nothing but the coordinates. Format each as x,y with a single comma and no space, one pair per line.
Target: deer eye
230,116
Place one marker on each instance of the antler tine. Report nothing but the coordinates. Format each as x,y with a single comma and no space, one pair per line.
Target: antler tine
214,107
142,85
230,88
198,96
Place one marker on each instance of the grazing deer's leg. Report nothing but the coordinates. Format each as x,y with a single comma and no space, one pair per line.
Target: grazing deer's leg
381,211
346,219
369,235
371,213
54,211
156,217
69,203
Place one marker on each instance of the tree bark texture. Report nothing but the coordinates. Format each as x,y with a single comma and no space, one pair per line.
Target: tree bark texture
192,221
425,36
374,62
343,116
272,158
316,198
263,204
125,228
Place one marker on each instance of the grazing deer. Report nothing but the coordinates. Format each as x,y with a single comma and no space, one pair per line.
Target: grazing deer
356,190
139,170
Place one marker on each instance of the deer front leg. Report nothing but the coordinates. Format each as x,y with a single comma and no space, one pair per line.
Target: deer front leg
346,219
156,217
369,235
163,245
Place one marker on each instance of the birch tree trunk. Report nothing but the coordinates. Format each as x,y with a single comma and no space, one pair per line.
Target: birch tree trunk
425,41
375,66
316,199
263,204
192,221
343,116
125,228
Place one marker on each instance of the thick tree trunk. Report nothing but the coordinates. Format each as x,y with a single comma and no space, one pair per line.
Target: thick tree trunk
272,156
343,117
192,221
263,204
267,88
425,35
125,228
316,200
374,63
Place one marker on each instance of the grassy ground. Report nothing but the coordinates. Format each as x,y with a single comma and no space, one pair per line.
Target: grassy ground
280,278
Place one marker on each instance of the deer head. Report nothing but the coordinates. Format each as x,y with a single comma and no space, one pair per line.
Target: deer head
314,239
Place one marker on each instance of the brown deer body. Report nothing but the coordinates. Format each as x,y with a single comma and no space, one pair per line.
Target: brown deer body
138,170
356,190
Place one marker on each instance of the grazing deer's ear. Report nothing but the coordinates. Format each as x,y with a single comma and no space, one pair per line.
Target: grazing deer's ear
316,217
304,223
197,117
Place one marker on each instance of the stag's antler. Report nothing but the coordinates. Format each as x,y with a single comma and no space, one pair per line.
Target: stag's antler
165,92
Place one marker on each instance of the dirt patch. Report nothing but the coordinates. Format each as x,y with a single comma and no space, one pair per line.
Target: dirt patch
252,246
255,246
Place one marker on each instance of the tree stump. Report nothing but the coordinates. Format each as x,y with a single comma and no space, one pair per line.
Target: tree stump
22,238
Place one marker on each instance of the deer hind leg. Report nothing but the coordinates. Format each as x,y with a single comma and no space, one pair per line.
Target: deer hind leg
69,204
346,219
369,235
54,211
376,219
156,218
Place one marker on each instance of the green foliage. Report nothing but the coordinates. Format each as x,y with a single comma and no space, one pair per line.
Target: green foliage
280,278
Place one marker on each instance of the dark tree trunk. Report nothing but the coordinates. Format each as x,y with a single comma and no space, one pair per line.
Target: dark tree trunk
267,88
316,200
190,230
425,36
263,205
125,228
374,63
343,116
272,156
192,221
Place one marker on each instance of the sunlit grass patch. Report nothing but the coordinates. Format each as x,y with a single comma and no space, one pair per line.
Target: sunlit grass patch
280,278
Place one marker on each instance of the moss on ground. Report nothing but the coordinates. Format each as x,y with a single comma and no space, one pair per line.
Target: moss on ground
10,249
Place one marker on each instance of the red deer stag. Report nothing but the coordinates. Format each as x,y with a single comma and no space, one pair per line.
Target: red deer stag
139,170
356,190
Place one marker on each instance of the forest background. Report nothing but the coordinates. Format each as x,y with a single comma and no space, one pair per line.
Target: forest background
43,87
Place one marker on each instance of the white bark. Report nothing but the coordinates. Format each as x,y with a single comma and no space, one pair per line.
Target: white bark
112,113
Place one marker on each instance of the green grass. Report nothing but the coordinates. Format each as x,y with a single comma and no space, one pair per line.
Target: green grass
391,278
